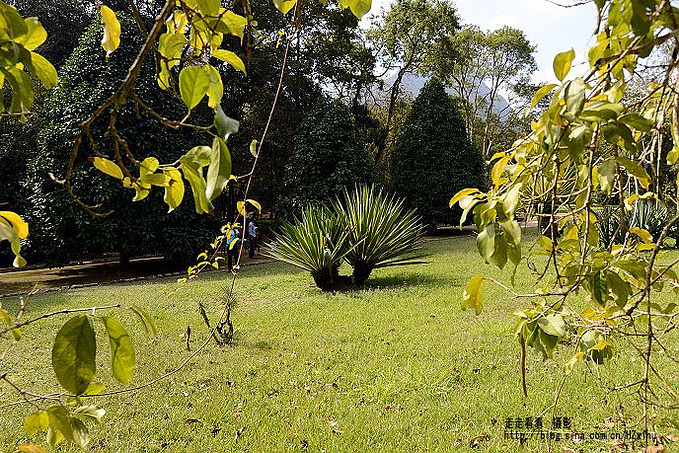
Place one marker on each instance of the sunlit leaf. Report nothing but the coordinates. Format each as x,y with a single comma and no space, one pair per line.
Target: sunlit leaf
111,39
122,350
472,296
562,63
73,354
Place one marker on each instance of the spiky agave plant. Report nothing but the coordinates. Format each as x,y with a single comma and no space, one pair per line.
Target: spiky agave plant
316,242
381,232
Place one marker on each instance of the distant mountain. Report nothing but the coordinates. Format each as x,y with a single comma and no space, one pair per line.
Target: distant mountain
413,83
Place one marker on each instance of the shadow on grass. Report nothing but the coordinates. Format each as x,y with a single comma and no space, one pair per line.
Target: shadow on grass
410,280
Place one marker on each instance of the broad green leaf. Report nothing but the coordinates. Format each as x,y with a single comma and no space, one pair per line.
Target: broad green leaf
111,39
22,90
255,204
216,89
606,175
499,256
511,200
643,234
219,169
575,96
174,191
107,166
541,93
193,173
225,125
636,170
562,64
359,7
60,420
233,22
193,84
44,70
461,194
73,354
485,242
34,36
599,289
620,288
81,435
552,325
231,58
285,5
14,25
122,350
209,7
146,320
637,121
472,296
37,421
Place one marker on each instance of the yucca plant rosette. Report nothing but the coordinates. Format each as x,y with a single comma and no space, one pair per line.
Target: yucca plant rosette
381,232
316,242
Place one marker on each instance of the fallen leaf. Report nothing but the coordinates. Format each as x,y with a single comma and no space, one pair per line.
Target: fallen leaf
568,450
476,441
655,449
239,433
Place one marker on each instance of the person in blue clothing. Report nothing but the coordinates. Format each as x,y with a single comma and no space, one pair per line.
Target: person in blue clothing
252,237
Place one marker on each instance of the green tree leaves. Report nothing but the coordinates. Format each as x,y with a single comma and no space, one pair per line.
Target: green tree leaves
73,354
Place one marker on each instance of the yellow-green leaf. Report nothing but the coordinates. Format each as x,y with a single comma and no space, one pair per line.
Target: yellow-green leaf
562,63
107,166
216,89
231,58
44,70
284,5
73,354
18,224
111,39
193,84
472,296
461,194
174,191
122,350
541,93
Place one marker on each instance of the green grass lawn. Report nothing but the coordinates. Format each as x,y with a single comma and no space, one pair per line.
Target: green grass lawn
397,366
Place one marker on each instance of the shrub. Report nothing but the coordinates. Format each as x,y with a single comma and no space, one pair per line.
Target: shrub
649,215
367,228
381,232
60,229
434,158
328,157
316,242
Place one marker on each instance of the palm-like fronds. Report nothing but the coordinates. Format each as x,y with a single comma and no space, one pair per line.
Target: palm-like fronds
316,243
381,232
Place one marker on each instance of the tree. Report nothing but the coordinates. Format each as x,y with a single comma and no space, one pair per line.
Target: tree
62,230
328,157
597,142
501,59
433,154
404,36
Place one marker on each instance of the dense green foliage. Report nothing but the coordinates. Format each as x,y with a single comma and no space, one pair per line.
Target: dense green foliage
61,230
328,157
434,157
